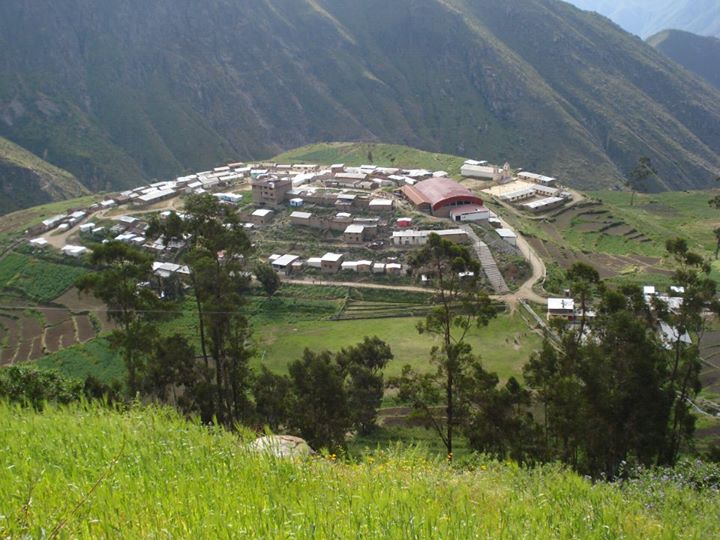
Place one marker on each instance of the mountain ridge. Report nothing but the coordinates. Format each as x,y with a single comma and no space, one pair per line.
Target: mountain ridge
698,54
648,17
121,94
27,180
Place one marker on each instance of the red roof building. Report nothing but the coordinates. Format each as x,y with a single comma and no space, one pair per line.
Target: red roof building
439,196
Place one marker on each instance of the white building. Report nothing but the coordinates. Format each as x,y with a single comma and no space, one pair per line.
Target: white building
74,251
508,235
420,238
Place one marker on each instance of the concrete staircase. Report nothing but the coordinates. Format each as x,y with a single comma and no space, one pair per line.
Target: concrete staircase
489,266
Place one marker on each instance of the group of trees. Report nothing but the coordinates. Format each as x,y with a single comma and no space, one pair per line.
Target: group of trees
325,395
620,390
614,387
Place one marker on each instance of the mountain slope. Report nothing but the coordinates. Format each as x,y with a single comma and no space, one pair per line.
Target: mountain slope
26,180
699,54
121,92
647,17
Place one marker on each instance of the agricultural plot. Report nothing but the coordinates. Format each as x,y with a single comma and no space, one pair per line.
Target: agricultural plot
36,279
622,241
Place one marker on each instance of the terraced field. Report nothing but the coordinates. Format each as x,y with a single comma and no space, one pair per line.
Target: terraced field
623,241
30,330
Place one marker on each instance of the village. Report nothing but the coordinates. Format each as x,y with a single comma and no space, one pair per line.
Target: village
338,223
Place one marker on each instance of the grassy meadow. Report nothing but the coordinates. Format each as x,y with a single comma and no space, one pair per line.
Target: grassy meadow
302,317
383,155
87,472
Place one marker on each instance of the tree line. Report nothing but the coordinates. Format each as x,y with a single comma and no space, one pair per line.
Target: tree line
615,386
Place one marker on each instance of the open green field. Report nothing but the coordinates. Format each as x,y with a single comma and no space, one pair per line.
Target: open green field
87,472
504,346
383,155
288,324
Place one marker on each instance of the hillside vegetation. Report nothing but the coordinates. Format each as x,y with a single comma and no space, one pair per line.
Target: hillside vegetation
87,472
383,155
26,180
698,54
118,93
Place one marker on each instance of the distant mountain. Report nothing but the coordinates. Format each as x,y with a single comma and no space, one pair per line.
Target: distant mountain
123,92
647,17
699,54
26,180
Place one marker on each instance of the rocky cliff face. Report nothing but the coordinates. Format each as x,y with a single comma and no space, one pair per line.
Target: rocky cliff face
119,92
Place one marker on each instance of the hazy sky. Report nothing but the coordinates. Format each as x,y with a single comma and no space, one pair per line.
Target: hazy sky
647,17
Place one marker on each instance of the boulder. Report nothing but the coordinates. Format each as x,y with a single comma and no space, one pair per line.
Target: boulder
282,446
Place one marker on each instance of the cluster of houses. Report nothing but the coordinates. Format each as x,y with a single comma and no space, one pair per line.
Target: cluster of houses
332,263
531,192
534,194
566,309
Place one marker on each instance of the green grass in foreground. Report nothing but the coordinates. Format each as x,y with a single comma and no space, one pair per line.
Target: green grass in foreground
92,473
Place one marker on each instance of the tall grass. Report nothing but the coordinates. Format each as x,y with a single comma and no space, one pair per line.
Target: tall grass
87,472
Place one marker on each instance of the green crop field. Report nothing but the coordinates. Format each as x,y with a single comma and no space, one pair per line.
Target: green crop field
383,155
37,279
94,358
87,472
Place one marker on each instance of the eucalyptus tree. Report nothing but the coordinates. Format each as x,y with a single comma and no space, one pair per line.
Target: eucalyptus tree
460,307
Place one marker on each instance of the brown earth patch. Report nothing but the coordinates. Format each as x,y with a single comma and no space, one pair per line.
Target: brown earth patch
85,329
10,334
54,316
36,349
54,336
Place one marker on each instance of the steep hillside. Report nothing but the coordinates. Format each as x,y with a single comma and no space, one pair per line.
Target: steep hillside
647,17
116,92
699,54
26,180
92,473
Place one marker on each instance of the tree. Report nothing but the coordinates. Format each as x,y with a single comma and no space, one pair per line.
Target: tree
268,278
583,279
362,366
459,307
217,256
498,421
118,282
622,392
716,232
370,156
687,323
273,399
642,171
320,410
173,373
